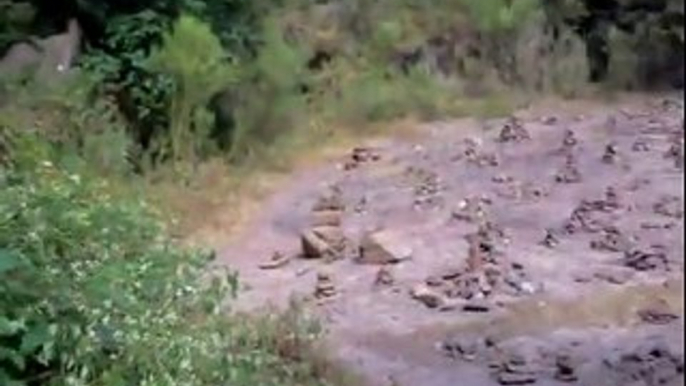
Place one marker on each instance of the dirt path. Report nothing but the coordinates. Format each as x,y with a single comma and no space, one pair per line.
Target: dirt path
543,250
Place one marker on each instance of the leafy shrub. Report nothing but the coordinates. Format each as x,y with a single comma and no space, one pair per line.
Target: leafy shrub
271,102
193,57
82,125
93,293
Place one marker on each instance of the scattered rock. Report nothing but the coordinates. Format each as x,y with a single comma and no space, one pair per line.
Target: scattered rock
669,206
515,371
324,287
640,145
657,314
549,120
565,368
383,247
611,154
384,277
466,348
513,131
313,247
476,306
470,209
614,275
584,219
361,155
428,296
277,260
653,364
654,258
611,240
569,140
550,239
569,173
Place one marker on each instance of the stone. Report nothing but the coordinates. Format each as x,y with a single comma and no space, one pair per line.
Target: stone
507,378
277,260
327,218
466,348
669,206
324,288
611,240
384,277
428,296
550,239
569,173
313,246
611,154
476,306
646,259
361,155
383,247
614,275
659,314
513,131
640,145
569,140
332,236
565,369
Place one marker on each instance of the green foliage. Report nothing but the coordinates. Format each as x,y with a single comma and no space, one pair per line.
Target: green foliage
271,102
193,57
496,16
83,127
93,293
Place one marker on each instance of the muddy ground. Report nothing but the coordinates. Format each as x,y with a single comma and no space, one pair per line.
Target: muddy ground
545,248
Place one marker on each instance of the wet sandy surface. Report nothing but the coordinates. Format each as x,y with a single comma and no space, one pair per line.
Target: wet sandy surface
552,243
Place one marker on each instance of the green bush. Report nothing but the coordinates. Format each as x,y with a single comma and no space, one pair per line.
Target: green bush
192,56
271,103
93,293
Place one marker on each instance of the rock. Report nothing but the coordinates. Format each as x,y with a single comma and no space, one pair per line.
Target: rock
640,145
513,131
277,260
669,206
361,155
384,277
332,236
466,348
327,218
324,287
550,240
569,139
611,154
428,296
470,209
476,306
313,246
659,314
646,260
434,281
565,368
569,173
383,247
652,363
611,240
549,120
614,275
502,179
